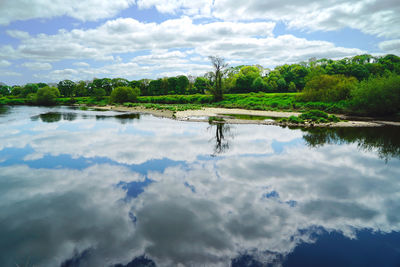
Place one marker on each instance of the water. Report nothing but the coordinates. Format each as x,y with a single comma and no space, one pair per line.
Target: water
92,188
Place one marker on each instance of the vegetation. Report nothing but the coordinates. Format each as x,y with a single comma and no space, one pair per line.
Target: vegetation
377,96
47,96
328,88
124,94
362,85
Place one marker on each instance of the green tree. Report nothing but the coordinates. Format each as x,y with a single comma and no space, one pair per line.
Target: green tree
172,85
98,93
66,87
219,66
81,89
201,84
182,84
258,85
329,88
119,82
47,95
155,87
29,88
5,90
377,96
16,90
124,94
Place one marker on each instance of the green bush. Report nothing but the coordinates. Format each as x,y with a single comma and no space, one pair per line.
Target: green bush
47,96
377,96
328,88
124,94
294,119
313,115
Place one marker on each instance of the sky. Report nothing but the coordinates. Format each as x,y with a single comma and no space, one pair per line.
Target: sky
53,40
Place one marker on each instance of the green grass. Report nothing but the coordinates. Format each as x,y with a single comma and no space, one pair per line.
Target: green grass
251,101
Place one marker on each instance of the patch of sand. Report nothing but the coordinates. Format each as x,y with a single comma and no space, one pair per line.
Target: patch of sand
204,113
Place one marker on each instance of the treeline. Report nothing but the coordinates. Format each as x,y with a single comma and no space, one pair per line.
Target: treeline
239,79
367,84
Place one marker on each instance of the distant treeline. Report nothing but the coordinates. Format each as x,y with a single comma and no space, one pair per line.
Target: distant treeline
239,79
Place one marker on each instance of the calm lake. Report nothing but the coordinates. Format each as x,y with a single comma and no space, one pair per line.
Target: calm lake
102,188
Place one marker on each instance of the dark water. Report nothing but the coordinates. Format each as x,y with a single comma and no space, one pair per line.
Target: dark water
91,188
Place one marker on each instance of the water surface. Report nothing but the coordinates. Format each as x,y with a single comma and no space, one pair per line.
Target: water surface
93,188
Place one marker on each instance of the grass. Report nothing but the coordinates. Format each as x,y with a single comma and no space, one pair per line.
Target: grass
251,101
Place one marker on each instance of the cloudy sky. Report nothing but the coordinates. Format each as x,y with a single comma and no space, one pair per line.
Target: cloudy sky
43,40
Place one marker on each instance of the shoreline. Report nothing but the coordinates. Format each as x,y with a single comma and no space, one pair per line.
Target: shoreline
202,115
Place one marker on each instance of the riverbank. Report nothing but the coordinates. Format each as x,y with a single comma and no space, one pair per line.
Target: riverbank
255,117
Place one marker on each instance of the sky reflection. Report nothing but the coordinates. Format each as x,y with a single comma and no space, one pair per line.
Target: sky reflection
106,192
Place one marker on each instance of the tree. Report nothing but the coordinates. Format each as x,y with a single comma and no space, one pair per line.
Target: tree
182,84
219,66
47,95
81,89
16,90
66,87
124,94
201,84
29,88
4,90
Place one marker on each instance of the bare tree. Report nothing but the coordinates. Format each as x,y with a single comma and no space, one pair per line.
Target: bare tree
219,66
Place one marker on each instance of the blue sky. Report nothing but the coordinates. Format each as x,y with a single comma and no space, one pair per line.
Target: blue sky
80,40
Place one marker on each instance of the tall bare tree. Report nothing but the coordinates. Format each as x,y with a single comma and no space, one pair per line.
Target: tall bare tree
219,66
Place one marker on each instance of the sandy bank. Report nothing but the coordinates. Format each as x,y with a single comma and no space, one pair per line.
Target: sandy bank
204,113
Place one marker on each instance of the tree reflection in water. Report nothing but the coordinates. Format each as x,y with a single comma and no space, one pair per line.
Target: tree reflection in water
222,138
385,140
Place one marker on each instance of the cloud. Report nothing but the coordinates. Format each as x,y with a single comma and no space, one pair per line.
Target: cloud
391,46
13,10
379,18
4,63
9,73
18,34
37,66
251,199
81,64
175,46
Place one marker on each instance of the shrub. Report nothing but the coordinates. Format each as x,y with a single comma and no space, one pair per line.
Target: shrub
124,94
294,119
47,95
377,96
328,88
313,115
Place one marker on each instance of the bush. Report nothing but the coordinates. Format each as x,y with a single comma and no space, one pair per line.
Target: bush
377,96
294,119
328,88
313,115
124,94
47,96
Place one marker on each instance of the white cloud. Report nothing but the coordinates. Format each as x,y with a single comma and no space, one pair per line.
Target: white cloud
81,64
9,73
391,46
248,43
37,66
4,63
376,17
12,10
197,8
18,34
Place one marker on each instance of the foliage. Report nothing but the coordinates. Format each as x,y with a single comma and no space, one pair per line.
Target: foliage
219,66
377,96
66,87
5,90
328,88
47,95
29,88
124,94
98,93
